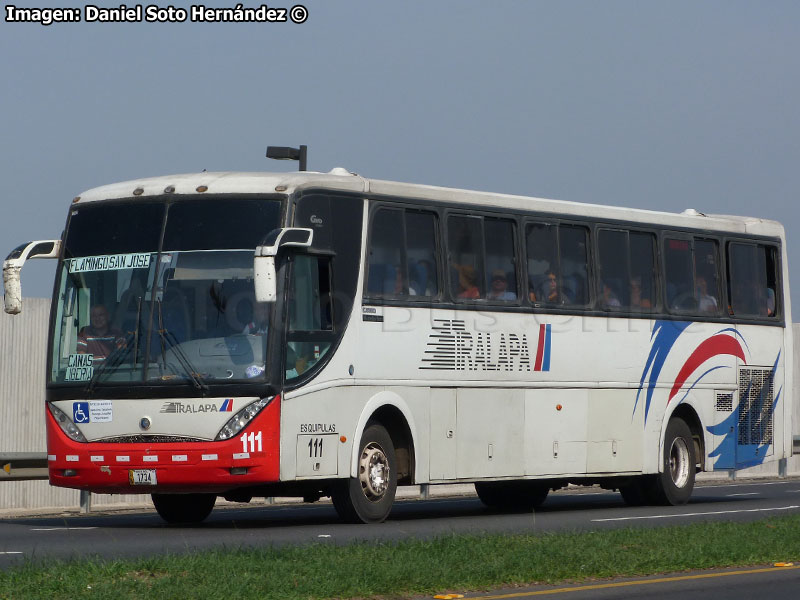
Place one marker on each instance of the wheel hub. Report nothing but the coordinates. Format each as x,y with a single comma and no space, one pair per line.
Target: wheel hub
374,472
679,462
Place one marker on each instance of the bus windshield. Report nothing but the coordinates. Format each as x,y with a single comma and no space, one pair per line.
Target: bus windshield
162,292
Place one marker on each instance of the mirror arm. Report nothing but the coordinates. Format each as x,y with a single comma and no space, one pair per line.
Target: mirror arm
264,275
12,267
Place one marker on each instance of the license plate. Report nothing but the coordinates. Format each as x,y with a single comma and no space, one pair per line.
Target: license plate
142,476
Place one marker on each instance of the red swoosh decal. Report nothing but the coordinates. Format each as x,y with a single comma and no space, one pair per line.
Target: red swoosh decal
713,346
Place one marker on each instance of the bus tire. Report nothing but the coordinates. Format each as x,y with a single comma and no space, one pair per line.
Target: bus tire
368,498
512,495
674,485
184,508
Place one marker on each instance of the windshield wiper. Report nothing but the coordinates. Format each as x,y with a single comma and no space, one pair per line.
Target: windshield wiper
179,353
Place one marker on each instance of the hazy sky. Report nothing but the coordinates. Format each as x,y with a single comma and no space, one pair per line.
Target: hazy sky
659,105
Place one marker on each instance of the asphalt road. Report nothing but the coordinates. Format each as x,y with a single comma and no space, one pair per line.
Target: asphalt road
117,535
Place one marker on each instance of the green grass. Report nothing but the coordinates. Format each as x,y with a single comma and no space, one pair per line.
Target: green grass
403,569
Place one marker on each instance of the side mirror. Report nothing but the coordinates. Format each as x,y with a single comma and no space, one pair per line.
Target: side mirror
13,265
264,261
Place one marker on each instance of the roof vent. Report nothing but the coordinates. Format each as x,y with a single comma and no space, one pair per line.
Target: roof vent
691,212
339,171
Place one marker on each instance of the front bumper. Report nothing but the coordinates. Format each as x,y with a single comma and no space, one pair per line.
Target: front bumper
180,467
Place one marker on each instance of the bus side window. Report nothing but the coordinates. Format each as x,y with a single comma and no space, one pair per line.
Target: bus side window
423,278
678,274
311,314
573,241
643,271
613,266
540,241
402,254
465,250
501,269
707,292
385,260
752,280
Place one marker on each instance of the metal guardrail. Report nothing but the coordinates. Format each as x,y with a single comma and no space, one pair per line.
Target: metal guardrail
22,466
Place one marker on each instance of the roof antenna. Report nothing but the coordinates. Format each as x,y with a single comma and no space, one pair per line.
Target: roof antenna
288,153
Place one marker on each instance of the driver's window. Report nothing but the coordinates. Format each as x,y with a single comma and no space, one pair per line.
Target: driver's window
310,314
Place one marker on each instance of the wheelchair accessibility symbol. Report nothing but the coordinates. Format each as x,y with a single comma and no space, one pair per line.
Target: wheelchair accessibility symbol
80,412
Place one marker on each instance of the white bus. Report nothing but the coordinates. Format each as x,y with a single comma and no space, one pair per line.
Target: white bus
245,335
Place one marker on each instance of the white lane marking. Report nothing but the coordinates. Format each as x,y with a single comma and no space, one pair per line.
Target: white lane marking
699,514
743,494
61,528
711,487
11,552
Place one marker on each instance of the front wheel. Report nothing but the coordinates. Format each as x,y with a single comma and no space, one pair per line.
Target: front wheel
184,508
674,485
368,498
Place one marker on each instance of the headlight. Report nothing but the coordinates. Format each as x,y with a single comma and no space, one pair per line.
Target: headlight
66,424
241,419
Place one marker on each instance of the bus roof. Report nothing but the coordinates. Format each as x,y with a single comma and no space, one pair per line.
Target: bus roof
342,180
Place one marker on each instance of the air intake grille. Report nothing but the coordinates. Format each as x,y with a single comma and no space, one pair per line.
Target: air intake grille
755,406
149,439
724,402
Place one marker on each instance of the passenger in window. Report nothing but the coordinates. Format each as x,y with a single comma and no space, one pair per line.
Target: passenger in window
551,292
637,299
98,338
706,303
467,282
499,287
770,302
609,299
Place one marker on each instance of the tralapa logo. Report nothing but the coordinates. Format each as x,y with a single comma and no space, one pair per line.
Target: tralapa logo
180,408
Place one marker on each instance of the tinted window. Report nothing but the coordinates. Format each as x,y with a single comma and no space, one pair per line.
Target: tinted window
706,279
691,267
213,224
102,229
384,273
542,259
310,314
752,280
465,248
402,254
678,274
643,271
421,253
500,263
557,264
626,264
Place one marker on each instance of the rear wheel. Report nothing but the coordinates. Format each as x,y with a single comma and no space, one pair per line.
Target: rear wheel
184,508
368,498
512,495
674,485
